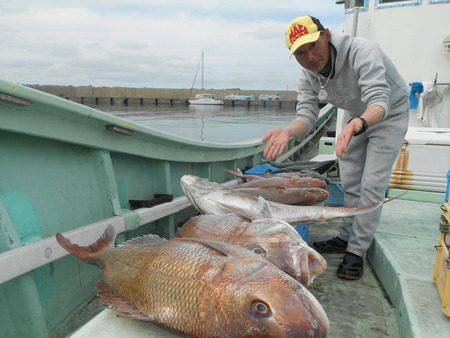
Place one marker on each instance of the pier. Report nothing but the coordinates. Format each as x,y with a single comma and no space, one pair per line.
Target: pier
121,96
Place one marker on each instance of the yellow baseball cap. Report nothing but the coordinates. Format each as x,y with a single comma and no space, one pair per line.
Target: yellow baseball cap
302,30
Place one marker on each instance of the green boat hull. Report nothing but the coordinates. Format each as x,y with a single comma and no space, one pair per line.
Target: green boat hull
65,166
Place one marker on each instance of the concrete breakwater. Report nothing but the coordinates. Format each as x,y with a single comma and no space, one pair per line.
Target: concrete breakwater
160,96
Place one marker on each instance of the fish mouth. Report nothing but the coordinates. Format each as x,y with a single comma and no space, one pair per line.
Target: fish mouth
307,264
316,264
303,316
187,181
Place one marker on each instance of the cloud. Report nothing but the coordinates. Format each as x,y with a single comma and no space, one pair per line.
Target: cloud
153,43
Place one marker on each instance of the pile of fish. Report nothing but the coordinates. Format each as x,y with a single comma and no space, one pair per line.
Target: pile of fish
212,198
237,270
286,189
201,288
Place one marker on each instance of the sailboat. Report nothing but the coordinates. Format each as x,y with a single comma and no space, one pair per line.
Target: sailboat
203,98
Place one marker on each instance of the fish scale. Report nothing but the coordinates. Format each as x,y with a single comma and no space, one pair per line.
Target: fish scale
231,226
275,240
202,288
183,263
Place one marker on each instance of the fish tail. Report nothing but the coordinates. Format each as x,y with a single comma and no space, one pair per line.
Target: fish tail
236,173
372,207
396,197
89,253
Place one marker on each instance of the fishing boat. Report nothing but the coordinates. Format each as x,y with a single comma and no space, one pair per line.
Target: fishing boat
69,168
203,98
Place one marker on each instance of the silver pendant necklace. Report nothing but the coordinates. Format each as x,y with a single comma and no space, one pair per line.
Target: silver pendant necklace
323,95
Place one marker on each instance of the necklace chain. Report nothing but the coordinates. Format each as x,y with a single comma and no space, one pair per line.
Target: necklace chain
331,72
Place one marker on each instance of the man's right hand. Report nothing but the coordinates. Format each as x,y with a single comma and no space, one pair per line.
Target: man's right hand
277,141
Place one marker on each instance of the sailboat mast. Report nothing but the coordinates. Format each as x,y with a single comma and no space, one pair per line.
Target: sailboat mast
203,62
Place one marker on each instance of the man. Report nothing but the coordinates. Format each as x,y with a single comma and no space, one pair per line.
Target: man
355,75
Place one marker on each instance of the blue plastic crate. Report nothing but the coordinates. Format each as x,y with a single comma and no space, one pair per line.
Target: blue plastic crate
336,198
303,230
447,192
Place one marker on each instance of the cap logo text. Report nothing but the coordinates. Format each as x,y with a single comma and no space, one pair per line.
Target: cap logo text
297,31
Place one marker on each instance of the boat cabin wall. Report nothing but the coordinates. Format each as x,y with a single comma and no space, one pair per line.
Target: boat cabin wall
411,33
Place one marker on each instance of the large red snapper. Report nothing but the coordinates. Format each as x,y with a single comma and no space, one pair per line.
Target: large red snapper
275,240
202,288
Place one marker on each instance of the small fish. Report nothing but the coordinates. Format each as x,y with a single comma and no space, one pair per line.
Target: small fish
211,198
280,181
303,173
275,240
201,288
291,196
320,167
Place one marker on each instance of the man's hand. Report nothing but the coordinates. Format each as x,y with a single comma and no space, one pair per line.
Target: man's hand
277,140
372,115
346,135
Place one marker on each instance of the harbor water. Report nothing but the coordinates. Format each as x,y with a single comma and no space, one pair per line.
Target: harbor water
223,124
208,123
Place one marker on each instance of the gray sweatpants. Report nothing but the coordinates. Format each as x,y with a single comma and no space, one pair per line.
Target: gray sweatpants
365,173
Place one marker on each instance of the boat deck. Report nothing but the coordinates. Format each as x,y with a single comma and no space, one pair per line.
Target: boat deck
355,308
401,258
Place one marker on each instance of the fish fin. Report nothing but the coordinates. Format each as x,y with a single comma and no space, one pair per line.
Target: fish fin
235,173
220,247
263,212
89,253
118,303
240,174
144,240
240,212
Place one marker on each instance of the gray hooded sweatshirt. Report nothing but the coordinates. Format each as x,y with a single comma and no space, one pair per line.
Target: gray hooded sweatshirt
363,76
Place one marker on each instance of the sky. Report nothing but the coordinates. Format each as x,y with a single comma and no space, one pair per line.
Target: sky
154,43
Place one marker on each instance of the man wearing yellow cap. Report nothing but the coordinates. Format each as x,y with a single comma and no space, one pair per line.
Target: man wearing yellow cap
353,74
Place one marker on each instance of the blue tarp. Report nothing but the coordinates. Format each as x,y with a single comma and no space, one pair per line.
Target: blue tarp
260,170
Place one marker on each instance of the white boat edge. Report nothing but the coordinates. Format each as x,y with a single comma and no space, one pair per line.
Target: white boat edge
205,102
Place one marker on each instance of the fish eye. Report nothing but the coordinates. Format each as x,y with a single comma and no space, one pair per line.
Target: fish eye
259,251
261,309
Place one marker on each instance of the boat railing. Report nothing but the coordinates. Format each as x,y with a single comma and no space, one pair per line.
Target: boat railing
21,260
69,168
